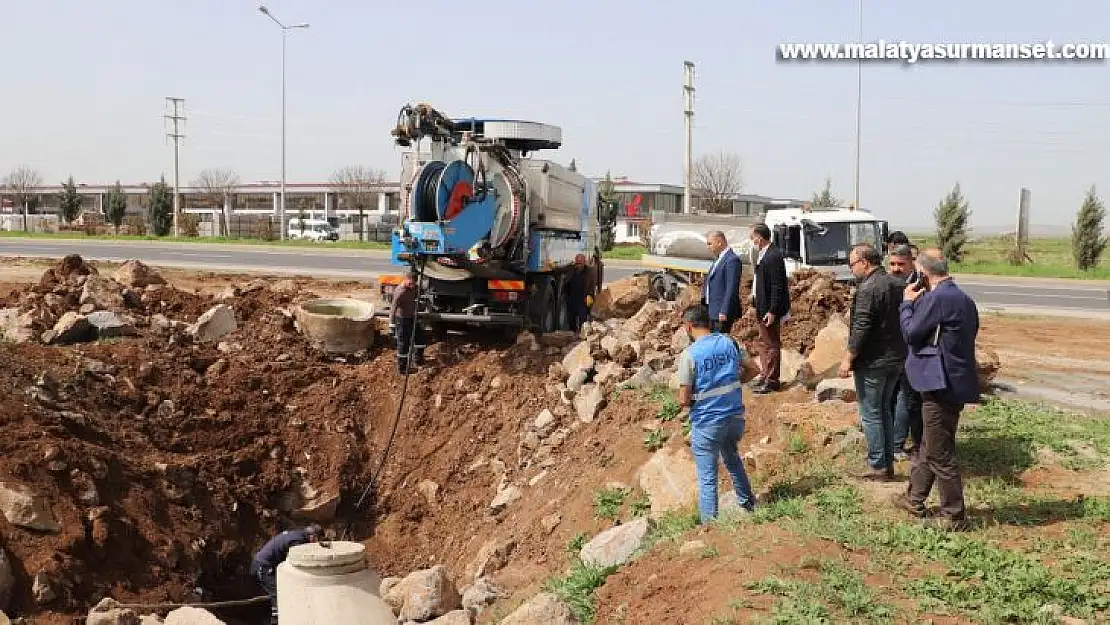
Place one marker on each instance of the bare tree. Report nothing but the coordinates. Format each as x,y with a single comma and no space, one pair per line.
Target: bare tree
23,183
358,188
220,185
717,180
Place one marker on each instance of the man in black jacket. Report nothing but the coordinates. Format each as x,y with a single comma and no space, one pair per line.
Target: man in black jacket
772,303
876,354
907,402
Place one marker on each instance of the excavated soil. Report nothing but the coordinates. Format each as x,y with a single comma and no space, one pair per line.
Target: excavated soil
814,297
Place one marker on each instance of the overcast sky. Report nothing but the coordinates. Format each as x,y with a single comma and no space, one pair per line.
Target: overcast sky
85,84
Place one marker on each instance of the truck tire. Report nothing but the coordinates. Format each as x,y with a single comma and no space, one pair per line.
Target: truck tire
541,307
562,310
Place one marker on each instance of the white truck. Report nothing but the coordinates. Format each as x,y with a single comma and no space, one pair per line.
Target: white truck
810,238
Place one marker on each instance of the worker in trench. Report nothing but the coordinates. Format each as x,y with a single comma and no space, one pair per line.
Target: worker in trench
402,323
273,553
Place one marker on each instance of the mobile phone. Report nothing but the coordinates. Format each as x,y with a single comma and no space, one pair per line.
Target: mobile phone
919,283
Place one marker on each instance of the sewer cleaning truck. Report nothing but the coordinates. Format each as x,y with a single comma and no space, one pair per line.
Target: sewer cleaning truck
809,238
491,230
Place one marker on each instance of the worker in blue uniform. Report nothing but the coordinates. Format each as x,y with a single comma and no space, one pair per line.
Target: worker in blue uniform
265,563
709,384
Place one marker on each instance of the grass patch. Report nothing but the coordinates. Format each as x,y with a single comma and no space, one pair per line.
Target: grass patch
640,506
1052,258
608,502
625,252
840,587
369,245
655,440
1000,438
577,589
670,527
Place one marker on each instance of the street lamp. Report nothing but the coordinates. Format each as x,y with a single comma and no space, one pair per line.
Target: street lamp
859,102
284,31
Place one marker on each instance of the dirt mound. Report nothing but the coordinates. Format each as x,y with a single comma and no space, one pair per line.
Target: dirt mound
814,297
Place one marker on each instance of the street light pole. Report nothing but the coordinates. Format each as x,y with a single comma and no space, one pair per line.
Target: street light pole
859,102
284,33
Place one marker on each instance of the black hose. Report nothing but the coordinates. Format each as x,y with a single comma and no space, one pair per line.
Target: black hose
419,270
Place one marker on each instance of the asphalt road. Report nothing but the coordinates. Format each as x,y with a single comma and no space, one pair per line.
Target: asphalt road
1057,297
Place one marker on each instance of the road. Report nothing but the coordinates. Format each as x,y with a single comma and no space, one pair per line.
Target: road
1044,297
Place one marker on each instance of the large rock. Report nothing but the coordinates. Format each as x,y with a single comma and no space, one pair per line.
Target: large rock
843,389
623,298
482,594
491,558
645,319
71,328
16,327
23,507
110,325
192,616
505,498
989,364
670,480
457,617
616,545
545,424
791,364
579,360
101,292
544,608
137,275
589,400
424,595
108,612
829,348
7,580
218,322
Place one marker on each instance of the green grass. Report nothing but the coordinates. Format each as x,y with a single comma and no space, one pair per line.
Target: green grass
625,252
840,596
1052,258
370,245
608,502
578,587
655,439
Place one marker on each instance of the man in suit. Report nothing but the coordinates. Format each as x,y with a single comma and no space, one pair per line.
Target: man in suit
772,303
940,324
722,285
907,402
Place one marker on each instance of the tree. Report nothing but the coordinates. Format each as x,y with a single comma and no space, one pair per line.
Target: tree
825,198
952,216
69,201
220,185
115,206
357,187
160,208
1087,240
717,180
24,182
608,207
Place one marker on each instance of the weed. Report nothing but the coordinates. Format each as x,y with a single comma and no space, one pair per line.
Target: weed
797,445
1000,438
575,544
840,587
670,527
655,439
608,502
640,506
576,589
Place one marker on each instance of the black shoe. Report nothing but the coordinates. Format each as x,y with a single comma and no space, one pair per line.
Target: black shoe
765,388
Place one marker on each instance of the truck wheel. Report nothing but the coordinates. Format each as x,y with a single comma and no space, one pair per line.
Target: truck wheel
542,308
562,311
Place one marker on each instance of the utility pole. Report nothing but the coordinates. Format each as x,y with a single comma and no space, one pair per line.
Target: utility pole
688,90
859,102
177,116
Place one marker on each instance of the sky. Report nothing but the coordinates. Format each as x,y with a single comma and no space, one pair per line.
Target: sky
86,92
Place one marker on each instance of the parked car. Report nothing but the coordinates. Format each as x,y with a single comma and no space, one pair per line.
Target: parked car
312,230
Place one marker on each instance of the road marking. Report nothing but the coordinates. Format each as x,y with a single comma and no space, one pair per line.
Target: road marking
1104,298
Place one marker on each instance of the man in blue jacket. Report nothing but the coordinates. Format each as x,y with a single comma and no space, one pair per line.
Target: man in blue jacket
709,383
722,285
265,563
940,324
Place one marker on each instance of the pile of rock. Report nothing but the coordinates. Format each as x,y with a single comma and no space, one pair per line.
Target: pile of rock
74,303
431,596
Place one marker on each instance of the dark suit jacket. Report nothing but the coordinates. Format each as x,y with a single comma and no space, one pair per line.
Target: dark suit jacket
875,336
772,292
723,283
956,380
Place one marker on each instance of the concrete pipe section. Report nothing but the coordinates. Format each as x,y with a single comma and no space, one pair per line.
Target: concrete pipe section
338,326
329,583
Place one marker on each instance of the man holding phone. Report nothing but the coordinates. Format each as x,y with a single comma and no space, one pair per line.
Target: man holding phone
907,402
